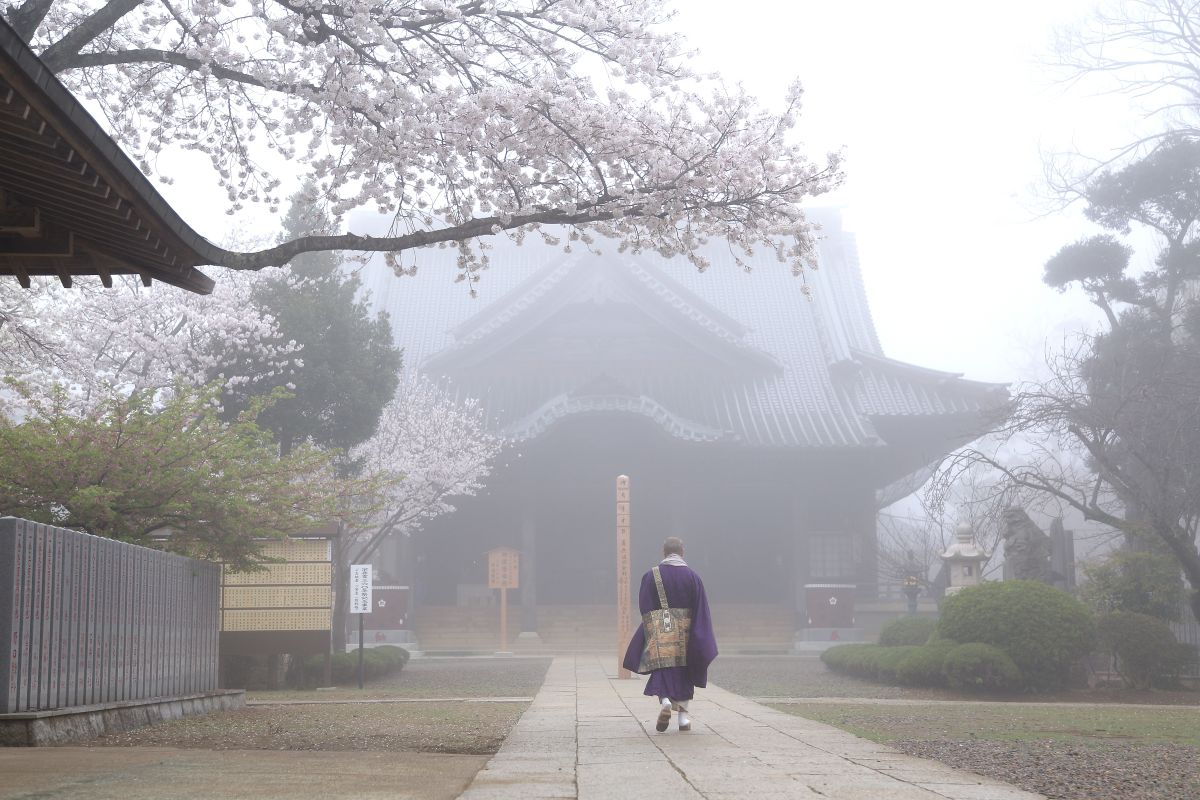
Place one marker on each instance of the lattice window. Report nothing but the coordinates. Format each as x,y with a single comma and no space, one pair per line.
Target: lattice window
830,555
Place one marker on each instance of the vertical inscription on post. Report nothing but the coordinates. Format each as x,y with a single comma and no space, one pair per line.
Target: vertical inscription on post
624,612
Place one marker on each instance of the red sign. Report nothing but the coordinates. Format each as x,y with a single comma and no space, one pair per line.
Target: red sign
390,611
830,605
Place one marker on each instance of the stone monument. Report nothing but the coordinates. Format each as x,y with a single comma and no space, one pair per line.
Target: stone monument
1027,549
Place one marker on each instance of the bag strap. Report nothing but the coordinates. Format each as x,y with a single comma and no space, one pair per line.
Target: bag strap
662,593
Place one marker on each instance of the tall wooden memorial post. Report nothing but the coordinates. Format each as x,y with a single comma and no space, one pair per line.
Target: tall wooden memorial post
503,574
624,612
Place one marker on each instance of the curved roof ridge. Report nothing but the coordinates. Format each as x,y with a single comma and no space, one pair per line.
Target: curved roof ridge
567,404
915,370
509,305
693,305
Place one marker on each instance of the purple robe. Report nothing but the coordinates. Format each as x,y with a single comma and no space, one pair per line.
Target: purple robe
684,590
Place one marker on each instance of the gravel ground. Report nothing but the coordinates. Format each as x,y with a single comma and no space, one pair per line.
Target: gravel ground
474,729
1084,752
467,728
437,677
1059,770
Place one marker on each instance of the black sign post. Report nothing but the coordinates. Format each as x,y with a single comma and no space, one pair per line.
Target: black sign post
360,650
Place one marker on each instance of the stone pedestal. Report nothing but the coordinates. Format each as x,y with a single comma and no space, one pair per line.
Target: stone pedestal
811,641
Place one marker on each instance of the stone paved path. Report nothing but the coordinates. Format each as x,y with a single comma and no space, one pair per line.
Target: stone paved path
592,737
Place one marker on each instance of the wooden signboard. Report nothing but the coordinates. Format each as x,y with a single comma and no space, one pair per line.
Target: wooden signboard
504,568
286,607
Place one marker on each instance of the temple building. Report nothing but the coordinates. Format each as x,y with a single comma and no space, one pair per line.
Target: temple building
754,412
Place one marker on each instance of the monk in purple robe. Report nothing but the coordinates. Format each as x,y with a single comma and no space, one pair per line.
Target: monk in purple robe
675,642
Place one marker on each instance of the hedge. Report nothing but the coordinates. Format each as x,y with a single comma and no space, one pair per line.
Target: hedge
943,663
377,663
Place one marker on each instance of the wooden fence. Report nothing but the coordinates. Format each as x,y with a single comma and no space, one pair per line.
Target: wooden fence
86,620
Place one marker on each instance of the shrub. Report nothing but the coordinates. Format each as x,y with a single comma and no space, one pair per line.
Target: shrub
1131,580
870,661
887,661
850,659
1042,629
907,630
980,667
925,666
1179,658
1144,647
377,662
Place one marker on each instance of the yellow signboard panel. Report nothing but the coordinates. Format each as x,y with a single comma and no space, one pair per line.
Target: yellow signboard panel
283,574
289,619
276,597
299,550
293,594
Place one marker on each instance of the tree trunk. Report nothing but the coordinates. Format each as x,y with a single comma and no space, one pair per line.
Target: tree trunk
341,594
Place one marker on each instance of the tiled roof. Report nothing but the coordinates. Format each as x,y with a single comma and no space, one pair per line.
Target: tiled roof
814,377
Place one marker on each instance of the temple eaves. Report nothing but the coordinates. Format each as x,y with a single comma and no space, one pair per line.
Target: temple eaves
71,202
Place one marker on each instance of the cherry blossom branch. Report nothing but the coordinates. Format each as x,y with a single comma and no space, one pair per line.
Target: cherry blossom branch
86,31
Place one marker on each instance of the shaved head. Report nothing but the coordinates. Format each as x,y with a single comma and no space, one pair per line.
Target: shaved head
673,546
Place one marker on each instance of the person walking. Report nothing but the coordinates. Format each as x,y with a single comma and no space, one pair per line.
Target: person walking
675,643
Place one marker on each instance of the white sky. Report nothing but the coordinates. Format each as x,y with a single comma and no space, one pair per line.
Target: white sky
943,110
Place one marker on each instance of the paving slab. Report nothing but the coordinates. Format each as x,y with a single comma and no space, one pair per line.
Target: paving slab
590,736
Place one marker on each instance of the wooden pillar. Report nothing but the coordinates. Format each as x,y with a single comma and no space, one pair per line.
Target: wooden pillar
862,526
799,531
529,620
624,597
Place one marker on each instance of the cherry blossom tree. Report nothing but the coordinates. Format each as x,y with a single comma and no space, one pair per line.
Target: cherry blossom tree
457,120
428,450
89,340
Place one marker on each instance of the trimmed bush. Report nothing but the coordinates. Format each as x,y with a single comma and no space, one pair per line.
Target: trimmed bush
980,667
870,661
1042,629
925,667
907,630
887,661
1144,646
377,663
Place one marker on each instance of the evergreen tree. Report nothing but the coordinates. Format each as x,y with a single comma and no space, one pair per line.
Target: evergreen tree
348,367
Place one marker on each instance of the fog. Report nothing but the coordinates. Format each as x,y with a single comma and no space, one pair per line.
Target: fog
944,111
947,114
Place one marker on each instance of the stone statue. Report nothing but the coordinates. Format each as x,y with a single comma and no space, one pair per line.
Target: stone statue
1026,549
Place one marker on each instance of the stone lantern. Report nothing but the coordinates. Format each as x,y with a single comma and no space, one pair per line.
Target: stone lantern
964,560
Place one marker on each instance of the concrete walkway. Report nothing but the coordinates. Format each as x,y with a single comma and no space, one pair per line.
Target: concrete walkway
590,736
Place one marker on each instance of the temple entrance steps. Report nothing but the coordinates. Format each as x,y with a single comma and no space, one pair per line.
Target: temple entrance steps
739,628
